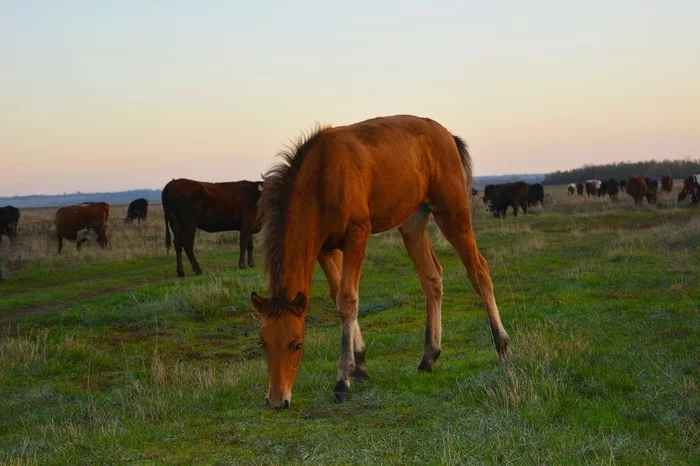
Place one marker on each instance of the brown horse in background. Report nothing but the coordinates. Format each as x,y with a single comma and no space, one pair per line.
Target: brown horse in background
334,189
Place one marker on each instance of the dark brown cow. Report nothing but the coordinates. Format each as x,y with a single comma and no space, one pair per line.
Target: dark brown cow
591,188
637,188
9,219
623,185
211,207
509,194
691,188
571,189
138,210
579,189
75,222
667,184
652,190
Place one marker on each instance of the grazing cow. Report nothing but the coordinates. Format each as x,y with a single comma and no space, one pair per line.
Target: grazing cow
667,184
509,194
612,188
623,185
579,189
535,194
211,207
637,188
475,192
487,193
571,189
75,222
592,188
9,219
652,184
691,183
691,187
602,189
652,190
138,210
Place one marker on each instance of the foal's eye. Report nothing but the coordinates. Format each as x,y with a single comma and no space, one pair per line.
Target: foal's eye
297,347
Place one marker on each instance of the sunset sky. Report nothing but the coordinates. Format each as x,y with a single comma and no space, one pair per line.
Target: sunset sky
113,95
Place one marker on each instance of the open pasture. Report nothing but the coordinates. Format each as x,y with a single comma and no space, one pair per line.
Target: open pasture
106,356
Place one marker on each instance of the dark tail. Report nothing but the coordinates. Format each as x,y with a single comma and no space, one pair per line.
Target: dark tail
167,232
466,161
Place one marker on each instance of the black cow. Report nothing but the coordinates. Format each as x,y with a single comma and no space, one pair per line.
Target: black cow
507,195
652,185
9,218
138,210
623,185
535,194
612,188
487,193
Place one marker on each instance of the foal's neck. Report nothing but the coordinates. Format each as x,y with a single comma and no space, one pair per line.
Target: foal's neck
301,245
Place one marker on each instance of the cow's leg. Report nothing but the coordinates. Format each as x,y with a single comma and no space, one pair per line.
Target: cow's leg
177,242
415,239
242,246
452,215
188,243
251,259
60,242
347,302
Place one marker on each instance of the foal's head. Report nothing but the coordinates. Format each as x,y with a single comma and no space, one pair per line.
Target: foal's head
281,337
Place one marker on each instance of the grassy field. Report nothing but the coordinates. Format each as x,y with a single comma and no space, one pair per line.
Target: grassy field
107,357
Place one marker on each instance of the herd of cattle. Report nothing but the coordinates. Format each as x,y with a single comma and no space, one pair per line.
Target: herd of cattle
214,207
498,197
638,188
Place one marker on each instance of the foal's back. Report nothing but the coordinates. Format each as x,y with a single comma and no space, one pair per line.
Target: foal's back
380,170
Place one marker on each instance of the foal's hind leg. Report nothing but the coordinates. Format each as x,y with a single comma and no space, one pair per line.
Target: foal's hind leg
455,223
415,239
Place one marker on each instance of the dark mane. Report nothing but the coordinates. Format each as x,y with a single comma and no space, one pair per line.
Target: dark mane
274,205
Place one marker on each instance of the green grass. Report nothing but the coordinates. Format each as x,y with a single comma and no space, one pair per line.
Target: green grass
105,357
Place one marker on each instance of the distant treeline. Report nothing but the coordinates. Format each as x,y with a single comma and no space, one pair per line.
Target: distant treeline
481,181
622,170
56,200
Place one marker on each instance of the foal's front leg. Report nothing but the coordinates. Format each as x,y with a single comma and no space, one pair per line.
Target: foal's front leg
347,305
332,263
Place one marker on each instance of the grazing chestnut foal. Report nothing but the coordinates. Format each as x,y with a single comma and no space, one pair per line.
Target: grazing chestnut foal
332,190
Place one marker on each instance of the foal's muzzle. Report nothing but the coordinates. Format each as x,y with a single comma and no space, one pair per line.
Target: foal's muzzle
285,404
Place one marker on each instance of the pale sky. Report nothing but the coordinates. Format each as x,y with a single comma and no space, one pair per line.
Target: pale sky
113,95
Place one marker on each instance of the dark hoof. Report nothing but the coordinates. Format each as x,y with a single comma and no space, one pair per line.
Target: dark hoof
198,272
503,348
341,392
251,265
360,374
180,274
427,363
426,366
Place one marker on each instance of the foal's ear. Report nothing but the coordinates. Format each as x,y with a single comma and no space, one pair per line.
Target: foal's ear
299,303
258,301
